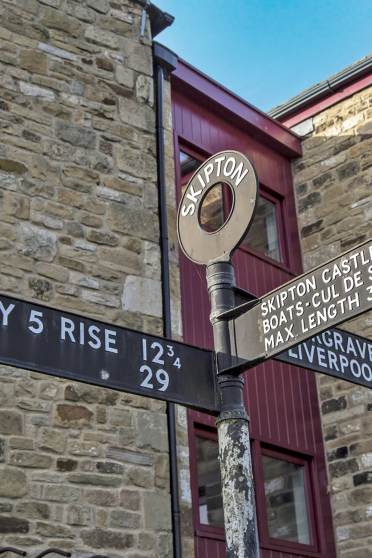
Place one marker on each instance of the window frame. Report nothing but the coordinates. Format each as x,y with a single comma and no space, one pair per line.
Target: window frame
200,430
273,543
277,200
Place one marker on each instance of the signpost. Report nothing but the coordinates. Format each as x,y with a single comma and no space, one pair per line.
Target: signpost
291,324
326,296
214,250
70,346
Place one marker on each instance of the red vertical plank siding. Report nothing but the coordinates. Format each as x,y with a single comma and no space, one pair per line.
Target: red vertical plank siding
281,399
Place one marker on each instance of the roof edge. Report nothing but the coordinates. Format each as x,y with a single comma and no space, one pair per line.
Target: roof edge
323,89
286,140
159,19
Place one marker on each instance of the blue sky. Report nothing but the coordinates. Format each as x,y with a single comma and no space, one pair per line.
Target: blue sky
267,51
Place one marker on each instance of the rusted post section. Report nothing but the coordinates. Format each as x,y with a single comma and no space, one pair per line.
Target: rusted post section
233,426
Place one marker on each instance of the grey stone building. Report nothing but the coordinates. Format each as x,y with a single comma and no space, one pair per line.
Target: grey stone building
82,469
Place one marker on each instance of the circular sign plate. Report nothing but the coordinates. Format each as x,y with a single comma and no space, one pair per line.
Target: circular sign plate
235,170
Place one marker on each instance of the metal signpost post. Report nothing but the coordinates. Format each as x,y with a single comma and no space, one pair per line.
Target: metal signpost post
214,250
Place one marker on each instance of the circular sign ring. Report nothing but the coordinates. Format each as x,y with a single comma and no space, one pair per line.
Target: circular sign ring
234,169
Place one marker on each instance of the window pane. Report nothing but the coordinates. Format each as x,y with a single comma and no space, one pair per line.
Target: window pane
285,500
188,163
209,483
263,235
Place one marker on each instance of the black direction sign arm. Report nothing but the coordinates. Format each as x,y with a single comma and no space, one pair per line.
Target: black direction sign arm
63,344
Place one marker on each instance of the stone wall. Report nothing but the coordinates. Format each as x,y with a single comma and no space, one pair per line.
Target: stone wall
333,184
82,468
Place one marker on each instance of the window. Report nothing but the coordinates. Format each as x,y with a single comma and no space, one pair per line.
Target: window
285,498
263,235
188,164
209,482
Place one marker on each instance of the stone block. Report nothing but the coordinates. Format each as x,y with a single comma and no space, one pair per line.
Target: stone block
11,422
348,170
95,480
162,471
40,288
20,442
33,61
130,499
100,6
13,525
52,271
75,416
121,417
52,440
129,456
56,19
58,52
6,394
16,205
145,90
106,498
141,477
61,493
138,115
30,460
32,90
37,243
33,510
84,449
362,478
153,502
97,36
90,394
13,483
101,298
334,405
107,538
57,531
122,519
141,294
151,431
124,76
79,515
102,237
66,465
76,135
109,467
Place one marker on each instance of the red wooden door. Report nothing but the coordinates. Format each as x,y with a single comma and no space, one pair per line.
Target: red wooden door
281,399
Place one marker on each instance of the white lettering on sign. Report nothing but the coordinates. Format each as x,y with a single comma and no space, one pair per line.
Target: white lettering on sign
91,335
222,167
338,352
5,311
324,297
